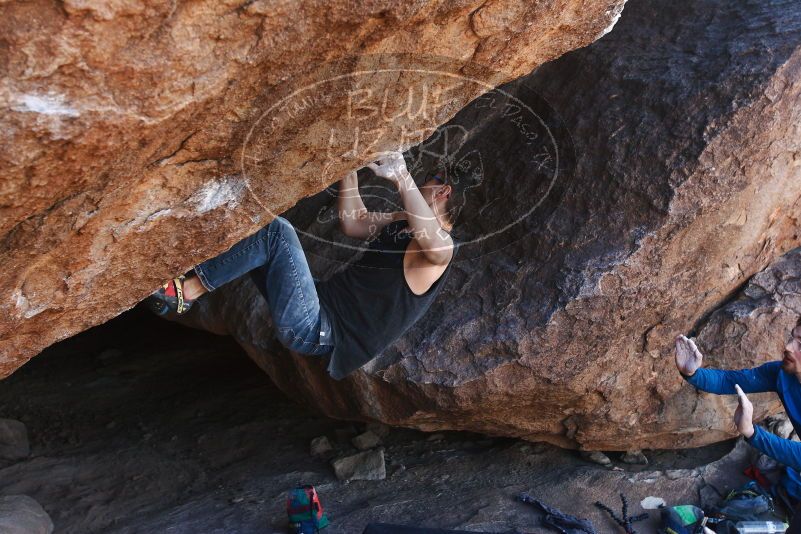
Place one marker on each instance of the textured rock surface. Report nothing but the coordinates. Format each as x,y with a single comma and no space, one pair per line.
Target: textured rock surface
684,181
19,514
366,465
13,440
125,127
320,446
366,440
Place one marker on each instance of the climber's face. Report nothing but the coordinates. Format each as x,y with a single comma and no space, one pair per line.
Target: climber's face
791,362
434,191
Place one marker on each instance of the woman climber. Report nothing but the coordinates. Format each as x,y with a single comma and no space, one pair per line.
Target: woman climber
361,310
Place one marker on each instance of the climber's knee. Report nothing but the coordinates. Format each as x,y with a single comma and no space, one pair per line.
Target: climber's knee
289,338
280,224
284,228
297,340
284,336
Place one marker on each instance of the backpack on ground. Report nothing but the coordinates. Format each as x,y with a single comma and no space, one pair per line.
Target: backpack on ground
304,510
747,503
683,519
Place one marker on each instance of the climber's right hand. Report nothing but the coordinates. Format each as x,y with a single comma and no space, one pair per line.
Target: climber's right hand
744,414
688,357
391,166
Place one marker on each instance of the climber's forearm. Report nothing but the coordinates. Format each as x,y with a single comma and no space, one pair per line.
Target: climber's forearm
435,242
354,218
784,451
721,382
349,202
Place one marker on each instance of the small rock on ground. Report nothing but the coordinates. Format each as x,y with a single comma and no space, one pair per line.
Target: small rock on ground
635,457
19,514
367,465
13,440
365,441
320,445
765,463
652,503
780,425
598,457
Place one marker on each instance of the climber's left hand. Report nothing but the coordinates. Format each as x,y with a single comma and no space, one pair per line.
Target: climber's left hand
391,166
744,414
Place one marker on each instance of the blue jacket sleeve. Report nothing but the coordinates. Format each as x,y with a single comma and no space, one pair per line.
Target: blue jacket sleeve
756,380
784,451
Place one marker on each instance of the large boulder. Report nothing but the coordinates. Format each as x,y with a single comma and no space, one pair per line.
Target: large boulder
14,443
138,138
679,178
20,514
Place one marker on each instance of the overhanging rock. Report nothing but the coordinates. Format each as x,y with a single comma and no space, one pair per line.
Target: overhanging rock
682,179
137,138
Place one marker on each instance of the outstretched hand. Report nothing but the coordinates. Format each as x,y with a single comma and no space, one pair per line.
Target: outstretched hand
744,414
688,357
391,166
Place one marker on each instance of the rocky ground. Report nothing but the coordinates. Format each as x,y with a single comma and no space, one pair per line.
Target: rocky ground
140,425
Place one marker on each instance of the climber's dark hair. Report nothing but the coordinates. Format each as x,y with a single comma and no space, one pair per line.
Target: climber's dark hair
461,181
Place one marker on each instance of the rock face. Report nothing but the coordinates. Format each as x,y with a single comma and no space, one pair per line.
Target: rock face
366,465
679,178
14,443
139,138
19,514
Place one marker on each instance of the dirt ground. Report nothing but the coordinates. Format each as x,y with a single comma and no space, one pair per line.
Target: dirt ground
140,425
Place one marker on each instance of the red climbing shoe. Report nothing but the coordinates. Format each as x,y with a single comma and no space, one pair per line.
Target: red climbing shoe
170,297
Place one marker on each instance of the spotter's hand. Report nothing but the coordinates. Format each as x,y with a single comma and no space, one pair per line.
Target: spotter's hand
744,414
688,357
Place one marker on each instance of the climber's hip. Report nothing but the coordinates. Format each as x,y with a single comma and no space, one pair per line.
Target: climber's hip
277,264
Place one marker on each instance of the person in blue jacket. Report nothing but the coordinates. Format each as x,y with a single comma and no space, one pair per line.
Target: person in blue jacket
783,377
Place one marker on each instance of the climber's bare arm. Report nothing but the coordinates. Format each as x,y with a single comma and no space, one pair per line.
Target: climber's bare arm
435,243
354,219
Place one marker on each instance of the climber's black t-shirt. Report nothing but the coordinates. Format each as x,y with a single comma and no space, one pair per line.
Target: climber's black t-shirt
369,304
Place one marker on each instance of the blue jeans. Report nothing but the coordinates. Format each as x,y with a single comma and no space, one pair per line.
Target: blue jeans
275,260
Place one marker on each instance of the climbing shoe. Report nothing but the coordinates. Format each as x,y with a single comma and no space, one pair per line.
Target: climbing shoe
170,298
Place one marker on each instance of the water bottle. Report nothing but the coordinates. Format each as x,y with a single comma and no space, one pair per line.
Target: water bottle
760,527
